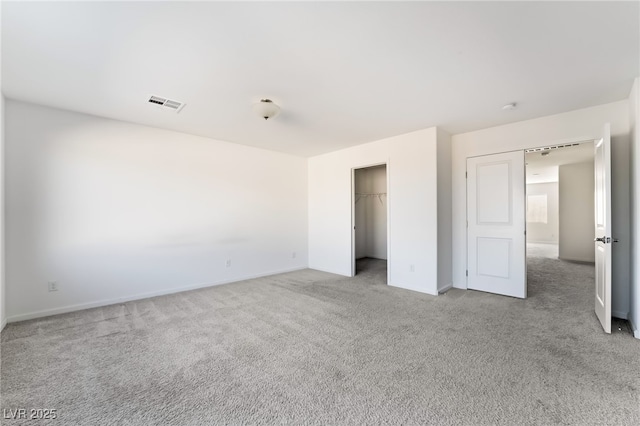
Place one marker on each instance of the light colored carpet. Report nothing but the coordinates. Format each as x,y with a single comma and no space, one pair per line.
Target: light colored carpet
543,250
314,348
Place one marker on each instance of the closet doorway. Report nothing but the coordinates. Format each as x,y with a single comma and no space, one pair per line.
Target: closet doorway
370,225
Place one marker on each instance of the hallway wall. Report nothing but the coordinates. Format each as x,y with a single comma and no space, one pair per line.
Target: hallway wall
577,222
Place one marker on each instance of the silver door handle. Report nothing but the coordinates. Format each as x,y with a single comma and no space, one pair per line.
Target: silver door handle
606,240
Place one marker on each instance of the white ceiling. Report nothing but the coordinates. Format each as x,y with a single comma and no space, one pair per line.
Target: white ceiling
343,73
544,168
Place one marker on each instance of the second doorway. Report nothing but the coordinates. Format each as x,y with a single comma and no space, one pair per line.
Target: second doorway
370,217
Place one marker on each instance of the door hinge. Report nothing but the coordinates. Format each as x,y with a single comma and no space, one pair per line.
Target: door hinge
466,175
467,272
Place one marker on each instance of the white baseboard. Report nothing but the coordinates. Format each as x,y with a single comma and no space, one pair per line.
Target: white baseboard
3,323
620,314
588,261
106,302
445,288
419,290
636,330
329,272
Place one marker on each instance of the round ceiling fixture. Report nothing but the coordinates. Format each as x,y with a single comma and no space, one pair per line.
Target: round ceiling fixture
266,108
509,107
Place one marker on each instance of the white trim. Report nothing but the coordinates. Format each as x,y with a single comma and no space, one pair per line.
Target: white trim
353,222
586,262
330,272
406,287
3,324
620,314
99,303
445,289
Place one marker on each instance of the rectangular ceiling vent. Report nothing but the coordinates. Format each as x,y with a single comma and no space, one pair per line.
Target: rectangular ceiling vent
166,103
548,148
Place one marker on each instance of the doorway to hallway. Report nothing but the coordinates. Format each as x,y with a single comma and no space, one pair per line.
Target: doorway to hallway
561,223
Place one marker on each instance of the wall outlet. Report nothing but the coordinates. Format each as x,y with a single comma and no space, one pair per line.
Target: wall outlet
293,255
228,263
412,268
53,285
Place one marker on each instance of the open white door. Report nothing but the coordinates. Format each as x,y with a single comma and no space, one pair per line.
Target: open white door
603,228
496,242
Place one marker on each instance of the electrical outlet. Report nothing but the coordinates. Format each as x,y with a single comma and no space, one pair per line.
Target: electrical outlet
293,255
53,285
412,268
228,263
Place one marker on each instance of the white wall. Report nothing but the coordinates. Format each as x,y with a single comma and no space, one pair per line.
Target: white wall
371,213
3,310
634,299
577,222
412,196
580,125
116,211
445,280
540,232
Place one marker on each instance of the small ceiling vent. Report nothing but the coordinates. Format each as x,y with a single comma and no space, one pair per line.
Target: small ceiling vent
166,103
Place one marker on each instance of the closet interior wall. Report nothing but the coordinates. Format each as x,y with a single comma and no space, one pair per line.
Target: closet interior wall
371,212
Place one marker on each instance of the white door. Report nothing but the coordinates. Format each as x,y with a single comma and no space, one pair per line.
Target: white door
496,242
603,228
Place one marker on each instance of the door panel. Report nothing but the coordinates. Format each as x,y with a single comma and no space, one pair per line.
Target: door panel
493,202
496,256
493,257
603,241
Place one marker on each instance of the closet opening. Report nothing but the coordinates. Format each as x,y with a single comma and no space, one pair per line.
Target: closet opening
370,226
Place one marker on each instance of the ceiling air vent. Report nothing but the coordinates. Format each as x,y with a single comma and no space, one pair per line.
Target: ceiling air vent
166,103
548,148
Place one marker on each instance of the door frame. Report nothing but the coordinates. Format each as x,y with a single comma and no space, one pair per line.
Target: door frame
540,148
353,213
579,141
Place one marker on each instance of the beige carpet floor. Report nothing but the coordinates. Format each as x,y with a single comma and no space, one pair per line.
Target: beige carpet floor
314,348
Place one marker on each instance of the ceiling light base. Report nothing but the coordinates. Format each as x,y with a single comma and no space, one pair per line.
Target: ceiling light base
266,108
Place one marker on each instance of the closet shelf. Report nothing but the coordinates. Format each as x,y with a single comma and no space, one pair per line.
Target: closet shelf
379,195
